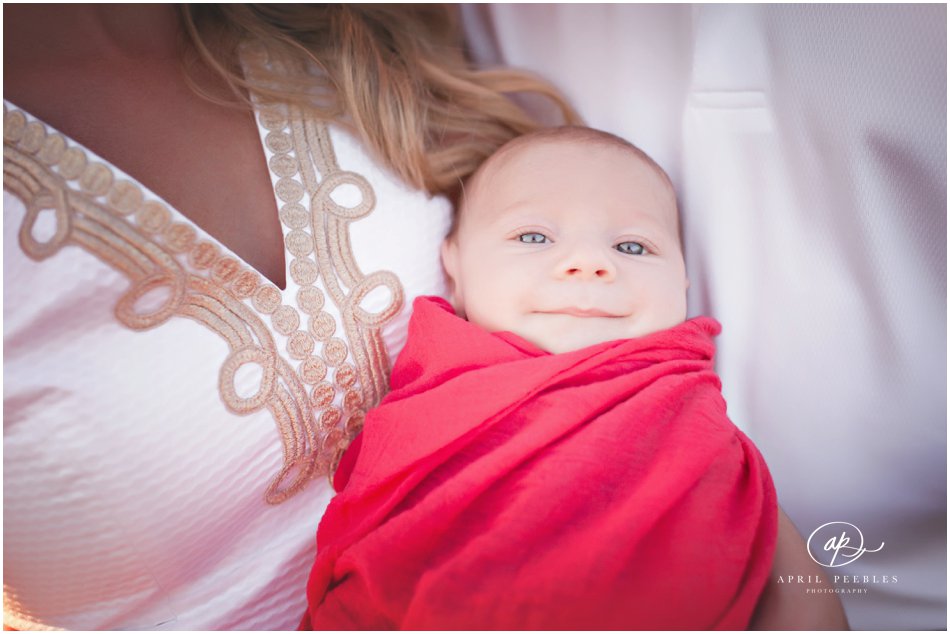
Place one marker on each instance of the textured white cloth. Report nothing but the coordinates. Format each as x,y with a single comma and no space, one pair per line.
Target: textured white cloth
808,146
132,498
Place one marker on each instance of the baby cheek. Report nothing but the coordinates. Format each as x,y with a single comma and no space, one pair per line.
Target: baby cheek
659,301
673,304
485,305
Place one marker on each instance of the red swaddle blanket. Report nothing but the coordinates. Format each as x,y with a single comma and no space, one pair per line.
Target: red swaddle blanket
502,487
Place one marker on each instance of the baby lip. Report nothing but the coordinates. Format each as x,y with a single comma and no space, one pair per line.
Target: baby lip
583,312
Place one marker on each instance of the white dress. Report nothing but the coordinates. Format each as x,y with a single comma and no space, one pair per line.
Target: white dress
808,146
169,414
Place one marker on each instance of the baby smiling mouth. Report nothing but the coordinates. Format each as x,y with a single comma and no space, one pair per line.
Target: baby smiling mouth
581,312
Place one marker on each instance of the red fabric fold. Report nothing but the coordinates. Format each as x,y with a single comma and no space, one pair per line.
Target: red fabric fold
502,487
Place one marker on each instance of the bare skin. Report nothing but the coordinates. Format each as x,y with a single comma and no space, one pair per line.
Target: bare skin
108,76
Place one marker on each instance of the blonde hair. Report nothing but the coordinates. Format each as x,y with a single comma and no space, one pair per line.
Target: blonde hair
396,75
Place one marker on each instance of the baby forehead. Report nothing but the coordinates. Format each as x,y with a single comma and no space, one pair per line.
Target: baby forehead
521,150
578,162
565,161
560,152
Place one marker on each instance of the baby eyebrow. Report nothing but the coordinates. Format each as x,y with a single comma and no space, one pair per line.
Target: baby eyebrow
646,224
529,222
515,211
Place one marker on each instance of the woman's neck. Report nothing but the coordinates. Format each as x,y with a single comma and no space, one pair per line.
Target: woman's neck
79,33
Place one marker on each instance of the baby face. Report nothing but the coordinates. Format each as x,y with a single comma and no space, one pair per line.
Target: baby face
568,244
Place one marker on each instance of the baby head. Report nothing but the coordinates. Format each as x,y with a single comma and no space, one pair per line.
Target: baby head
568,237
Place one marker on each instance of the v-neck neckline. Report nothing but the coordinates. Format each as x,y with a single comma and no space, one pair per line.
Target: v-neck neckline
179,216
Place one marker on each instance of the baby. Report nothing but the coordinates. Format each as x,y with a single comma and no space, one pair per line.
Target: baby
568,237
561,457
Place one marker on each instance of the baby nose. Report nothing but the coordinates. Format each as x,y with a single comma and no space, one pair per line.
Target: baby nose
587,265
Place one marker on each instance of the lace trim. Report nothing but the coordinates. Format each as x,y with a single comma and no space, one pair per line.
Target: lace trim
317,414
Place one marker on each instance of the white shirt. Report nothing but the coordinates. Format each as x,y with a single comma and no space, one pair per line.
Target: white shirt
150,453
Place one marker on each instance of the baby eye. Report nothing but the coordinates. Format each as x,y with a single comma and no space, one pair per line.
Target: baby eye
631,248
533,238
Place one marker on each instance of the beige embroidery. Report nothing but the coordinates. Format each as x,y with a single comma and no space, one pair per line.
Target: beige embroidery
317,398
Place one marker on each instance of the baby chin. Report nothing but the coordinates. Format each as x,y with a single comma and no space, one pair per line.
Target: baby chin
566,333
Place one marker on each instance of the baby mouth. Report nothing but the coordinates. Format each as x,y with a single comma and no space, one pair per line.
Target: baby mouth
581,312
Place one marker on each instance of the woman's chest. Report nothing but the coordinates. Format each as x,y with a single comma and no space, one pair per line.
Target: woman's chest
203,158
142,356
356,248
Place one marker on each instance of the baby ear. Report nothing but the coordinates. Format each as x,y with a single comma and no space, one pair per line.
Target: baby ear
450,263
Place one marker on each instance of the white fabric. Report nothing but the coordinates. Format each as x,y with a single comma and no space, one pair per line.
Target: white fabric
808,145
132,498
